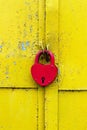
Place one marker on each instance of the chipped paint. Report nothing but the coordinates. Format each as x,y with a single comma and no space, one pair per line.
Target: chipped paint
14,62
1,48
22,28
24,45
27,43
18,31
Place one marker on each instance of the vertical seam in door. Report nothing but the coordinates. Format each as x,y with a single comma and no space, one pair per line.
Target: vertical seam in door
37,42
43,40
37,109
58,50
45,44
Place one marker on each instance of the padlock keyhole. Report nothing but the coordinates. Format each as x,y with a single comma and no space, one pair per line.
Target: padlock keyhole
43,79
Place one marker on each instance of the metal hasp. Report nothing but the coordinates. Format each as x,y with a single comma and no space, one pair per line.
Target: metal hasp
44,74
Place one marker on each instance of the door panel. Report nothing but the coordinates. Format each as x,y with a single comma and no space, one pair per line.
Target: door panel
21,103
72,65
73,44
72,110
24,24
18,36
18,109
51,91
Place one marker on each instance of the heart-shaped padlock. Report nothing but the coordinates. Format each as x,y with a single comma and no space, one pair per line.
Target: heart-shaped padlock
44,74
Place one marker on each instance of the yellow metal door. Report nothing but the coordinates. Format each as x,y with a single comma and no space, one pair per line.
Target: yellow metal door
20,99
26,25
73,65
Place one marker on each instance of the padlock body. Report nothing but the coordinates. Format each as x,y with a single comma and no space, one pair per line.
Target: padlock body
44,74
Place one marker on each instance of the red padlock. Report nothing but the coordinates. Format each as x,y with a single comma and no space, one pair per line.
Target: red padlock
44,74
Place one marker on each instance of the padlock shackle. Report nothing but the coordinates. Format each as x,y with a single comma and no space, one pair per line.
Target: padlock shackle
52,61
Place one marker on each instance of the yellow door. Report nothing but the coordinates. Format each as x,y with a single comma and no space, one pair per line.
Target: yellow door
27,26
73,65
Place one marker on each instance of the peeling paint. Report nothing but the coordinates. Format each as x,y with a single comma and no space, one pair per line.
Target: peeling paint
0,48
27,43
14,62
23,45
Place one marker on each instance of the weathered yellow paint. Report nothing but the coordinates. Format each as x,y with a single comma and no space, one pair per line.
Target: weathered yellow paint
41,109
73,110
18,35
72,65
24,27
73,44
21,29
41,90
51,92
18,109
